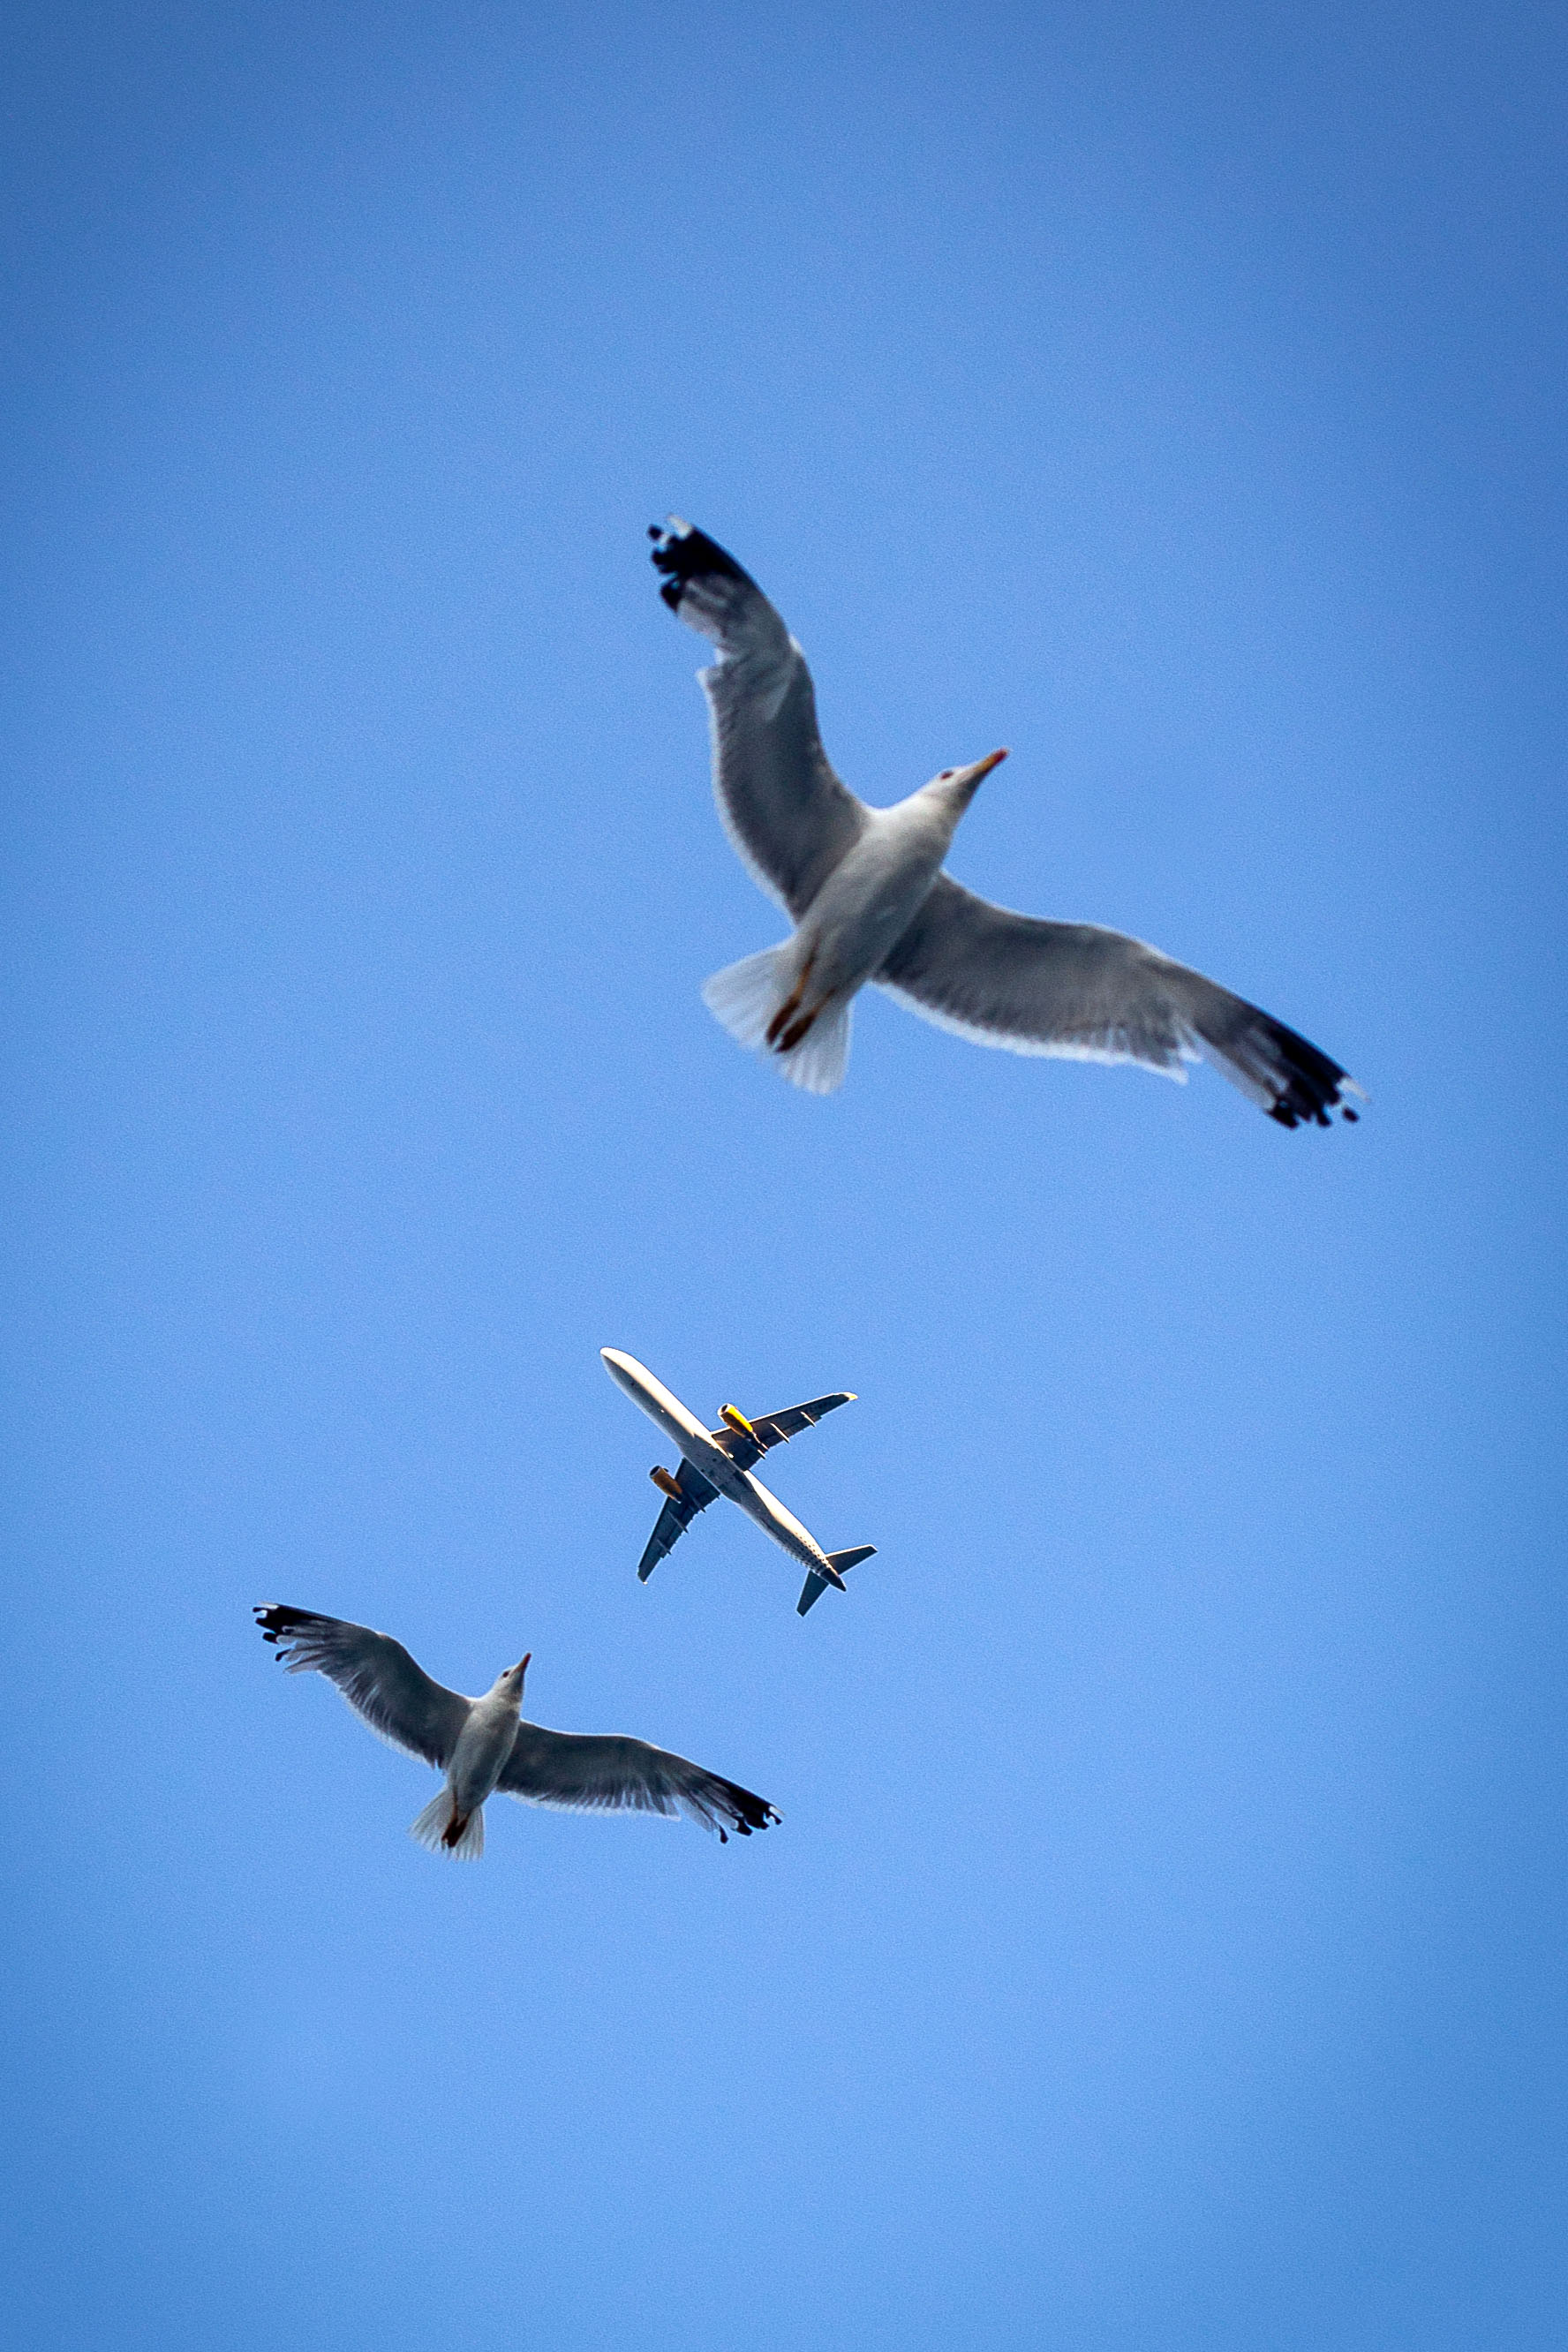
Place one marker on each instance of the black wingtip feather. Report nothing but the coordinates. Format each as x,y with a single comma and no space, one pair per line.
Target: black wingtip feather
277,1620
685,553
749,1812
1311,1085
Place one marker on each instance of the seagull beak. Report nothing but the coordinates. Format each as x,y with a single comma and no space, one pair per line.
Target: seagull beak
983,768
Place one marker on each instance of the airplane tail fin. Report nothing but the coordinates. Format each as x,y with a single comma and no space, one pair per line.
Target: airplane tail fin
815,1586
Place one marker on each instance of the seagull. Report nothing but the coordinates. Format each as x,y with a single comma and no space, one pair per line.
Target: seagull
482,1744
865,890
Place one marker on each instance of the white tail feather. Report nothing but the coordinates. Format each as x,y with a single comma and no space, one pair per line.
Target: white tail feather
744,997
819,1061
430,1829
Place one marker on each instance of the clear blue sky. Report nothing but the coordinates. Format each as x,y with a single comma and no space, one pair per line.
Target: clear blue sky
1164,1945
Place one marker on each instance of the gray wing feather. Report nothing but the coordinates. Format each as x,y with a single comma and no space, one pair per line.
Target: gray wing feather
1088,994
376,1676
580,1772
788,816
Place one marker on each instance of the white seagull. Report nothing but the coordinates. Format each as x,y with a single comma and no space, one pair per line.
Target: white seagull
870,902
482,1744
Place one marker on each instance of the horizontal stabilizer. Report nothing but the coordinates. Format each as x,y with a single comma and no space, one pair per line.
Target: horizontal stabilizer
815,1586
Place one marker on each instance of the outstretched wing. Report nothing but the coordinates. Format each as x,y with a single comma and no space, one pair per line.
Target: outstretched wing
672,1522
777,1428
581,1773
1074,989
375,1674
790,818
746,1442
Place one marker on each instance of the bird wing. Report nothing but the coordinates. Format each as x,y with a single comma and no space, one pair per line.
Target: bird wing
1094,995
581,1773
789,817
376,1676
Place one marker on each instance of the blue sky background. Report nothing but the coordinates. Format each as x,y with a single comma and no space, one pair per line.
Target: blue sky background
1163,1945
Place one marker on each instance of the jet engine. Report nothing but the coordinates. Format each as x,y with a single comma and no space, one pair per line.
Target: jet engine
665,1484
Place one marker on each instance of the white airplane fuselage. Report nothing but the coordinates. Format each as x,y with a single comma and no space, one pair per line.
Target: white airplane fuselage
685,1432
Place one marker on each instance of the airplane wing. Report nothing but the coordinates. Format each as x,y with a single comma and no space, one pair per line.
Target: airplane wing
746,1442
672,1522
777,1428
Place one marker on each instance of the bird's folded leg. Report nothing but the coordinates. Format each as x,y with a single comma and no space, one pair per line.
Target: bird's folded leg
797,1031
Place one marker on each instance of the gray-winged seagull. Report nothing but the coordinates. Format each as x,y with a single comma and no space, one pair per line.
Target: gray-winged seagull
482,1744
870,900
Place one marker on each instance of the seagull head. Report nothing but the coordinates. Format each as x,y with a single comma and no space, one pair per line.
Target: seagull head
960,784
510,1685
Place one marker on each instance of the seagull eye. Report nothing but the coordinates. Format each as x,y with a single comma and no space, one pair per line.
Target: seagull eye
945,775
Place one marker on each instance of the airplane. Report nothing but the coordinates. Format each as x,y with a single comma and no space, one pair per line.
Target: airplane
716,1462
